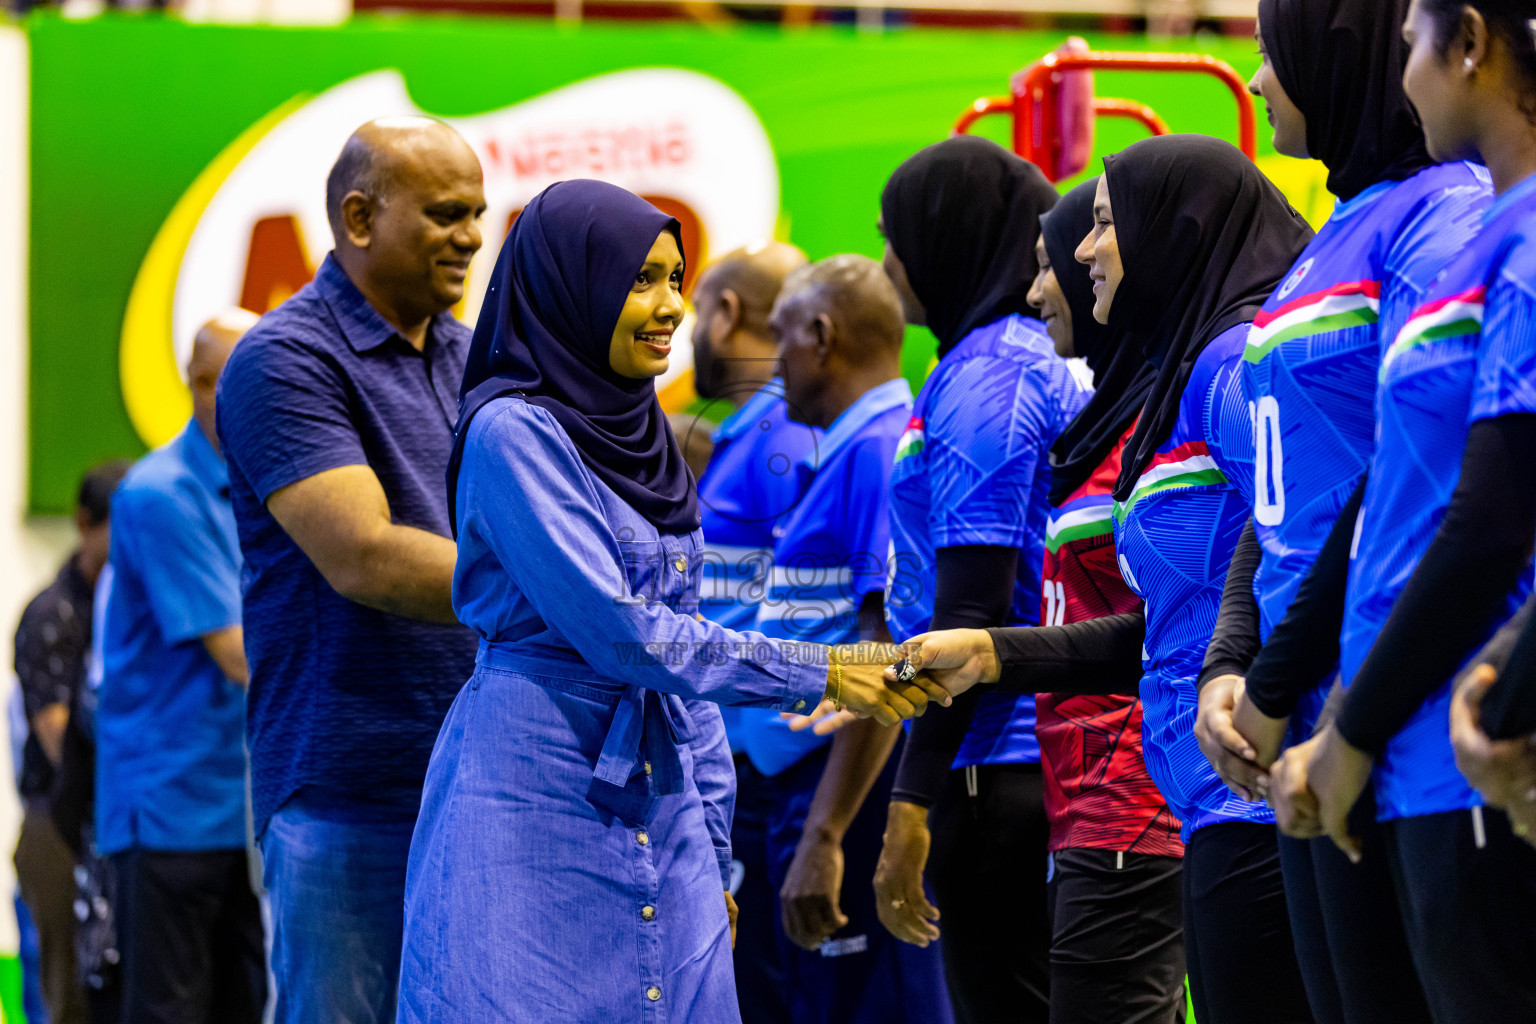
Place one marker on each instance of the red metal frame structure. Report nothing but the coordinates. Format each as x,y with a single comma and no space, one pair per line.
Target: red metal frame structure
1036,107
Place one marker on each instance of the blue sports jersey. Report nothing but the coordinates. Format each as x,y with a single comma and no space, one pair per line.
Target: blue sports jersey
1175,535
1309,368
1467,353
971,469
828,552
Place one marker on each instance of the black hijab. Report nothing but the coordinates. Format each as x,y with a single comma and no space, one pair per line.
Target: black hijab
1341,63
544,333
962,216
1121,375
1204,238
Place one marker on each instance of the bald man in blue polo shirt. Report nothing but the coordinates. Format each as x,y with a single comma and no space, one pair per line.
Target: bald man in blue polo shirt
839,327
170,727
337,413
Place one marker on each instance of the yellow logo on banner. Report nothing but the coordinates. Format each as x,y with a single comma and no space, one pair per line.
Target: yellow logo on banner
157,398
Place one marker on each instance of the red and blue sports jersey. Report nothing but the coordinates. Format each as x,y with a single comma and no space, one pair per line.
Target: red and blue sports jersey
829,552
1310,365
972,470
1098,794
1175,535
1467,353
750,484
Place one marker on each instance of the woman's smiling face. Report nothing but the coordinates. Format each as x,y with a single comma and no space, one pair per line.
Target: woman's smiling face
1289,123
1046,296
642,338
1099,251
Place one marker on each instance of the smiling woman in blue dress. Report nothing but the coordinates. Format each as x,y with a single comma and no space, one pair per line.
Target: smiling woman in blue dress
572,852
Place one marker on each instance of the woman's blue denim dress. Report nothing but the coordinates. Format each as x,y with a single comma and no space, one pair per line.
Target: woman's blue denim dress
572,851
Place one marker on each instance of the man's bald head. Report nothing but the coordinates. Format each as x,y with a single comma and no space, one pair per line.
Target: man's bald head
404,200
373,158
839,326
754,272
855,294
211,347
733,353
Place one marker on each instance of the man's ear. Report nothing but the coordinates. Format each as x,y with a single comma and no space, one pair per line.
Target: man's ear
826,337
729,306
357,211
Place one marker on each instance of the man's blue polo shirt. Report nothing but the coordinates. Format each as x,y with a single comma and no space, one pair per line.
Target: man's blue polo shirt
750,485
170,728
345,701
829,552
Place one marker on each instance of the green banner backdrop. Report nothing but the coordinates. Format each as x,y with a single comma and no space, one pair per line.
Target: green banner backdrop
178,169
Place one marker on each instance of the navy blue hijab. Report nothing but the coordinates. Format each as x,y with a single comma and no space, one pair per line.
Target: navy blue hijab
544,333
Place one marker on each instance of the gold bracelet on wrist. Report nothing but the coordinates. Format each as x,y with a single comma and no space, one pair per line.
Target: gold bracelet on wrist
837,678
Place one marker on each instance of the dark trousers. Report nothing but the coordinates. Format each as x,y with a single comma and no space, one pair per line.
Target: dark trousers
189,929
759,975
1466,886
1349,935
862,974
987,868
1237,930
45,874
1117,939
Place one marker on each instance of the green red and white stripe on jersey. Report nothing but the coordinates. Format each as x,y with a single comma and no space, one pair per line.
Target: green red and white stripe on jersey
1186,465
1455,316
1351,304
1079,523
911,441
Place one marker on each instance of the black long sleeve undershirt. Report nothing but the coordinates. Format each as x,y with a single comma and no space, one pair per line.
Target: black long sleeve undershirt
1483,544
1509,708
1095,656
974,589
1235,640
1304,647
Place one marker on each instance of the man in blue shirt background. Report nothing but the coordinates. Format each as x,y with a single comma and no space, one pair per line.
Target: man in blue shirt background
839,326
337,413
750,482
170,726
748,486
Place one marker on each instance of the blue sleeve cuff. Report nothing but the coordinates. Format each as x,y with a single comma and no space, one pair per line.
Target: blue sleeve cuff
804,686
724,857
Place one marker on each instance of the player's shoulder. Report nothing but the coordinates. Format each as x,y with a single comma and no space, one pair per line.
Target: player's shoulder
1432,215
1515,265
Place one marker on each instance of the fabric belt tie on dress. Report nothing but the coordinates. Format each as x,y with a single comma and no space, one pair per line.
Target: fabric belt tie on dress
647,728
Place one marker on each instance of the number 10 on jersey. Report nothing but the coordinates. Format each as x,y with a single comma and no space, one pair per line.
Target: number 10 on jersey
1268,463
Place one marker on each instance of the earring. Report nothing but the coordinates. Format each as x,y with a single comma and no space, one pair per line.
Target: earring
1467,63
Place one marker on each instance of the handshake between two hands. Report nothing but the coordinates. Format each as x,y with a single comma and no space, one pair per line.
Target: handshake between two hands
936,666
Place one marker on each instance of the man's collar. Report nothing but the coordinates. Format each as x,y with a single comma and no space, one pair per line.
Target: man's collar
850,423
206,463
760,404
363,326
